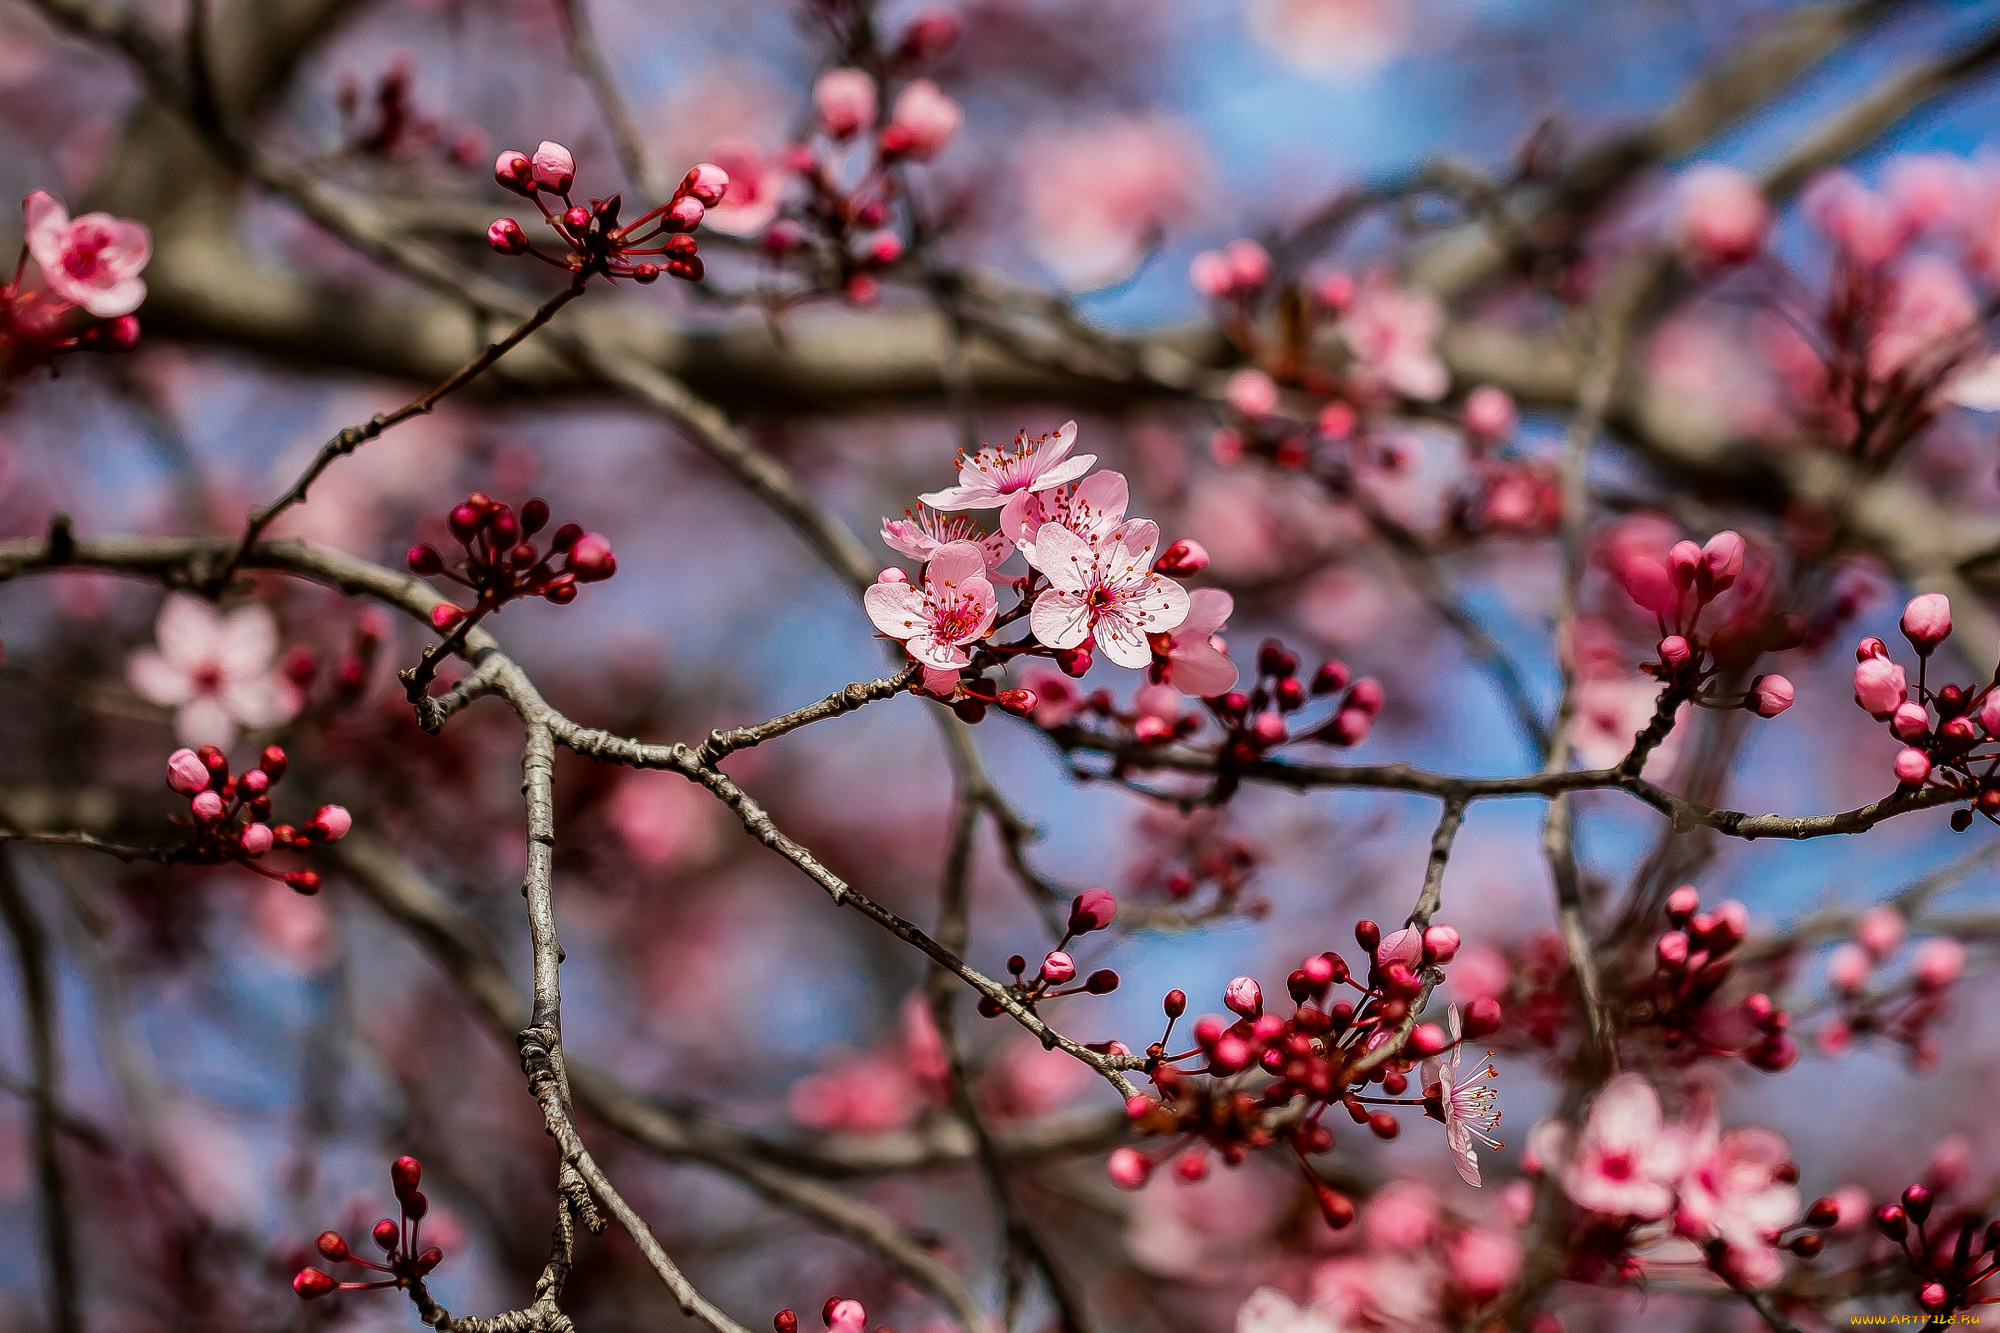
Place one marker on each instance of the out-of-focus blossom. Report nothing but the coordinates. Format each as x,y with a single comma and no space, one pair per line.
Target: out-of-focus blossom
666,824
1737,1190
756,188
1340,40
1626,1160
93,261
1862,223
844,100
1393,333
1720,216
925,119
1929,312
1097,197
1195,661
219,673
1268,1310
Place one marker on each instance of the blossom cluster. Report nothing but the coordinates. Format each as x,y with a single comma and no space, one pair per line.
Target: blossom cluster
1096,581
501,561
1092,910
1950,1251
404,1265
1264,1080
1644,1188
1942,730
1905,1010
1693,960
1676,590
594,240
89,286
229,815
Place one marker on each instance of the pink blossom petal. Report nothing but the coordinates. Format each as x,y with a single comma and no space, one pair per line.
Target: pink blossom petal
248,640
897,609
205,721
1064,558
158,681
1060,618
1201,671
188,630
1121,639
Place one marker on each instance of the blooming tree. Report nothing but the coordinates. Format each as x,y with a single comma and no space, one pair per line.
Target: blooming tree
1303,828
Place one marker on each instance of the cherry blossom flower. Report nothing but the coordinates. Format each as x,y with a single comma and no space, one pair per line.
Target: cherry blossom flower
955,607
93,261
1930,311
1339,40
1191,658
1108,590
922,533
218,672
1393,335
1090,508
1098,196
1468,1106
756,188
993,476
1736,1190
1627,1159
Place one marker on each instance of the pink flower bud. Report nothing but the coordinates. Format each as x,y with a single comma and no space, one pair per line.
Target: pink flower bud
707,182
1770,695
1731,924
1683,561
1672,951
1489,412
848,1316
1482,1017
506,237
514,172
1648,582
1720,216
1093,909
1989,713
1880,931
1722,559
1879,686
257,839
892,575
1249,264
1231,1055
924,121
1683,902
686,213
1870,647
844,100
186,773
1428,1039
1939,961
1252,393
1927,621
1675,652
207,807
1129,1168
1212,275
555,169
1847,968
1336,421
591,558
1909,721
331,823
930,35
1183,557
1244,996
1058,967
1440,944
1912,766
1152,730
1367,695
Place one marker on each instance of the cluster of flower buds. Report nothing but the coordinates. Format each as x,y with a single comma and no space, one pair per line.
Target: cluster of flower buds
1676,590
1942,730
1692,961
1091,910
1197,863
398,129
1950,1254
594,240
403,1264
229,816
840,1314
1260,719
1902,1012
844,218
1235,273
89,269
502,562
1264,1079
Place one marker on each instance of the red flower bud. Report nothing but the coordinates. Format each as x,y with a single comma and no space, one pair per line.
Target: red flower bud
785,1321
1482,1017
387,1234
506,237
310,1284
1175,1003
332,1246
